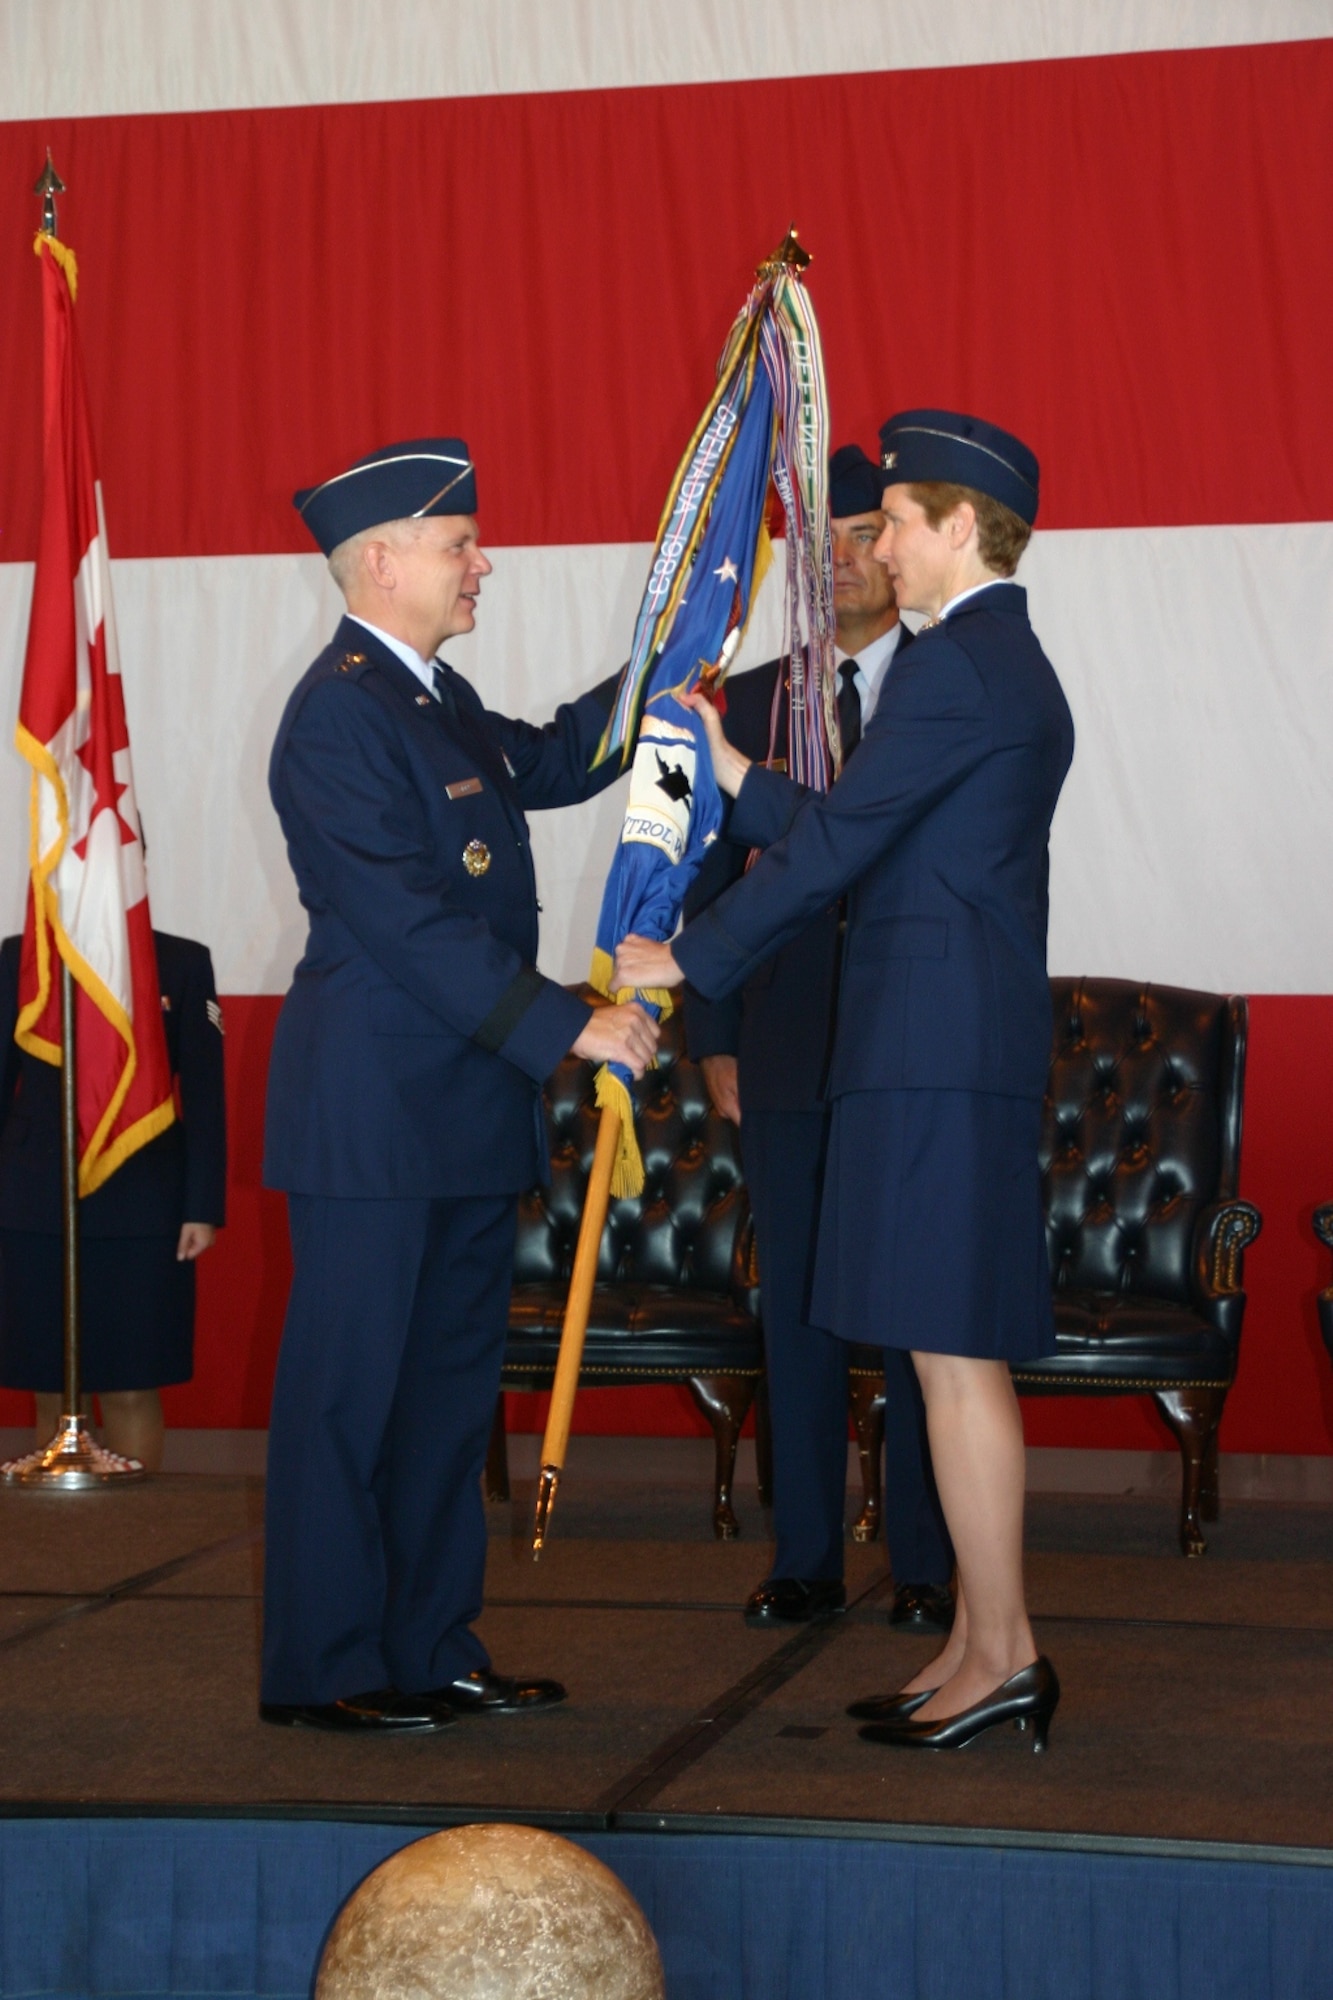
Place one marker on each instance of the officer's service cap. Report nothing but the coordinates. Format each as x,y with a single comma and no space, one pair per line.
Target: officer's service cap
964,451
855,483
403,482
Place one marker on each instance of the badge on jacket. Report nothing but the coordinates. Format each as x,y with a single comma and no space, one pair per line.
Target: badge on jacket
476,857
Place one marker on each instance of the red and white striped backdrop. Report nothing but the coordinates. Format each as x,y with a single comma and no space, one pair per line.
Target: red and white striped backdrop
306,227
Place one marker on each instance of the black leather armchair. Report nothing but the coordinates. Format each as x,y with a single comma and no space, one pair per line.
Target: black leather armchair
1323,1229
676,1297
1140,1163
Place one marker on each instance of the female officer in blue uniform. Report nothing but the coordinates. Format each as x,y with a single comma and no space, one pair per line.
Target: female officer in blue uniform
931,1233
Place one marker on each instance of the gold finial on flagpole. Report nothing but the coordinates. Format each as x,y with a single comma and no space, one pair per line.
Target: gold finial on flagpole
48,185
790,253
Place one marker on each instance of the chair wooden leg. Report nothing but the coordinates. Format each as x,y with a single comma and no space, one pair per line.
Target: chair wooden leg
1208,1494
866,1395
763,1443
1194,1415
497,1455
725,1400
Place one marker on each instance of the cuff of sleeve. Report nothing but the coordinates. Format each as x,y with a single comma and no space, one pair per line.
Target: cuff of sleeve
712,1028
764,807
710,957
533,1024
209,1207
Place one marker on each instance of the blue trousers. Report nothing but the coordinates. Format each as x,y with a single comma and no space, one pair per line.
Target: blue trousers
807,1379
375,1532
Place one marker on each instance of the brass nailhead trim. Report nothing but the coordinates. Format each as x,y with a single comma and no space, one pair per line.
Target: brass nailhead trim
648,1374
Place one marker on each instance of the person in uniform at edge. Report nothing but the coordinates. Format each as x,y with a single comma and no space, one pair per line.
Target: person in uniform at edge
139,1233
404,1109
764,1051
931,1234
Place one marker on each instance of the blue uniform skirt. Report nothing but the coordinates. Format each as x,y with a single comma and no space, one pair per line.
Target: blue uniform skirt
137,1314
931,1230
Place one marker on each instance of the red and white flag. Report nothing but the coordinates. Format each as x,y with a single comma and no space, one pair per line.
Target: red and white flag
87,900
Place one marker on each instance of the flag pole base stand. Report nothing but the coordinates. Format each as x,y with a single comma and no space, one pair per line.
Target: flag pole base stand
546,1485
73,1462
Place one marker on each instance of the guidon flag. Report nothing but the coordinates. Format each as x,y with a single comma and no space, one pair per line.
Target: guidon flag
765,426
87,897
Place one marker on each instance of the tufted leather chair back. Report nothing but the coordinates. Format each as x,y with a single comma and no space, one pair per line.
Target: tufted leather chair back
688,1227
1141,1131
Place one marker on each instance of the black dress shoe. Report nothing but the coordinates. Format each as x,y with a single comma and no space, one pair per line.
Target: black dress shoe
795,1600
494,1694
922,1607
1027,1698
382,1710
888,1707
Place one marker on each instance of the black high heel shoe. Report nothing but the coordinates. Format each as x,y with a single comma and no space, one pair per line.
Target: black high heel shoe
1028,1698
889,1707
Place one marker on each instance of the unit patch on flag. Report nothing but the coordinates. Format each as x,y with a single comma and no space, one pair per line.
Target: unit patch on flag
661,788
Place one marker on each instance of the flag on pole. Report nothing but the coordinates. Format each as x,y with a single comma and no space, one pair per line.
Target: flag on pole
87,900
766,421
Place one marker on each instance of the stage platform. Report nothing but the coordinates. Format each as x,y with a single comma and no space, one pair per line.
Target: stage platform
1196,1729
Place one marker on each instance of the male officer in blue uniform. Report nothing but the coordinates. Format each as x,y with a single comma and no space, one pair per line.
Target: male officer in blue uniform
764,1051
404,1108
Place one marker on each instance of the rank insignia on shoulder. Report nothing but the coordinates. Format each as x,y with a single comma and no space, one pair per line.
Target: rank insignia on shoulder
476,857
214,1013
350,660
463,788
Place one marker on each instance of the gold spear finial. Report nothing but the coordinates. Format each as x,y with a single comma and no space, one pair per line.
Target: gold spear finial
48,185
789,253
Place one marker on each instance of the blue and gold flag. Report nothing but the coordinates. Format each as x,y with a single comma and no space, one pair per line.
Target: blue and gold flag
766,422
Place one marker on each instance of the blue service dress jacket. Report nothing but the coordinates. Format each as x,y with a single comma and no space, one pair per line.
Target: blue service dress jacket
780,1027
411,1047
937,831
180,1176
137,1298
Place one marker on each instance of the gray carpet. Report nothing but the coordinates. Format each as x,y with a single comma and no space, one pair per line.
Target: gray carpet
1196,1695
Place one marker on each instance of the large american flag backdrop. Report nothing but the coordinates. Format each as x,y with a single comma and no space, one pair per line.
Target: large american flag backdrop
307,227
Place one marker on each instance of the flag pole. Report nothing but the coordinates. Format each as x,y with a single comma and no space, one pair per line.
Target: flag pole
73,1461
668,656
555,1442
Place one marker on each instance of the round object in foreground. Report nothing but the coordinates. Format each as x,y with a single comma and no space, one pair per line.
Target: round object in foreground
491,1913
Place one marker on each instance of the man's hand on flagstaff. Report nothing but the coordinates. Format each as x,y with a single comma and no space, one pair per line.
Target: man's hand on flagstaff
729,767
623,1035
720,1075
644,963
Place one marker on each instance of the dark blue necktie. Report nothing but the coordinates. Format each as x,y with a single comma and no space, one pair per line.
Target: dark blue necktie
446,694
849,709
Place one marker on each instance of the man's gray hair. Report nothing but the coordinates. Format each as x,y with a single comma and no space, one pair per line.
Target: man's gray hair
345,559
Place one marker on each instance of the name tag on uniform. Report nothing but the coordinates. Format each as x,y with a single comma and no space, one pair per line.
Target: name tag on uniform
464,788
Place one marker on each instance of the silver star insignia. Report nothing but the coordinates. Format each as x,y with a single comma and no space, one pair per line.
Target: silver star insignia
727,571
